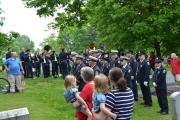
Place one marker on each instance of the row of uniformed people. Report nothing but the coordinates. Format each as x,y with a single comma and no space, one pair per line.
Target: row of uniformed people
135,69
37,61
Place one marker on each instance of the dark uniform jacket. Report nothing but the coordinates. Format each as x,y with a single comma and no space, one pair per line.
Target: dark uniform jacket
77,74
54,58
113,63
159,77
128,75
143,71
132,62
96,69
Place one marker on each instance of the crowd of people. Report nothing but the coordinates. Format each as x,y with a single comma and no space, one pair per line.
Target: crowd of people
99,85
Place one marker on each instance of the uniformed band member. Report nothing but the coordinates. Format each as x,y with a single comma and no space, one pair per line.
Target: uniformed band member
37,64
133,64
105,65
127,71
45,65
54,60
8,54
63,60
113,59
159,82
73,62
92,61
22,57
79,65
28,64
99,56
143,79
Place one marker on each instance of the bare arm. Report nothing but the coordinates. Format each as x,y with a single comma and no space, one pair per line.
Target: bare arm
6,67
107,111
81,100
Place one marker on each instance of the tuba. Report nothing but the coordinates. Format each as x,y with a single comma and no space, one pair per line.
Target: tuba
47,50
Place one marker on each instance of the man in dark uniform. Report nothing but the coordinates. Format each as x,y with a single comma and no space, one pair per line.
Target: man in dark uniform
113,59
45,65
159,82
63,59
92,63
105,65
73,64
37,64
133,63
8,54
54,60
28,64
79,65
143,79
127,71
99,56
22,57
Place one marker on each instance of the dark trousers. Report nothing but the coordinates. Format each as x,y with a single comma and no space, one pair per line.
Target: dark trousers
29,72
54,69
162,100
146,92
24,68
37,66
129,84
46,70
135,89
64,69
152,67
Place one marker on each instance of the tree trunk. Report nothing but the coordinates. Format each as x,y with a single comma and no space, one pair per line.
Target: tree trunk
157,47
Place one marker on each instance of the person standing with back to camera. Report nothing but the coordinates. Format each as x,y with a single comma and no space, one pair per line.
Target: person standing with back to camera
120,100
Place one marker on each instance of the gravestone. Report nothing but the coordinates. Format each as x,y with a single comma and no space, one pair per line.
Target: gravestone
16,114
170,79
175,105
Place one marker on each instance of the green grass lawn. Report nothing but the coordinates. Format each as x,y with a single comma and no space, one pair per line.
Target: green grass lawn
44,100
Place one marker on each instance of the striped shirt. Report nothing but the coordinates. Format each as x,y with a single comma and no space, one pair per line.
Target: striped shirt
120,103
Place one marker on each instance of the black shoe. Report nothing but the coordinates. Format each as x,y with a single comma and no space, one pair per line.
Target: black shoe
163,113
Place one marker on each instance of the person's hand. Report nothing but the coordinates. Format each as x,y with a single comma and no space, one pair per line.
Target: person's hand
145,83
137,83
154,84
7,70
23,72
114,116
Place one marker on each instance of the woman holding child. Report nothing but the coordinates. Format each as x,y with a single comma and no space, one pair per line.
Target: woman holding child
116,105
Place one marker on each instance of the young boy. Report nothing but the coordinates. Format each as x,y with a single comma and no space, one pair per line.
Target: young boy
159,82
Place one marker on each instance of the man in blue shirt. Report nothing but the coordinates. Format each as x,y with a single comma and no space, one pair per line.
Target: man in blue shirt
14,69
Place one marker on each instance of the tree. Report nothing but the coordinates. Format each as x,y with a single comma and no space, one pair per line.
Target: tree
23,41
120,24
68,12
51,41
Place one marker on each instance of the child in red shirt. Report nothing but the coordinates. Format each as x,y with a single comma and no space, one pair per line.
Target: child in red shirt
87,74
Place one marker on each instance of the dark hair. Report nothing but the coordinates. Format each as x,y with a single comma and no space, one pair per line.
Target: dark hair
116,75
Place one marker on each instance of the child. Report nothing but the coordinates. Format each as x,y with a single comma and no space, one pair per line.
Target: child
159,82
72,96
99,109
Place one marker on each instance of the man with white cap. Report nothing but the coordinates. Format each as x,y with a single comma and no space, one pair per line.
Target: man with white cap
114,59
92,63
127,71
79,65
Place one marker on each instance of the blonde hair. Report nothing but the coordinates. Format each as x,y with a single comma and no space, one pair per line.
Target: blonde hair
100,83
69,80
